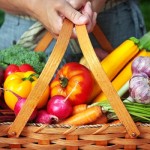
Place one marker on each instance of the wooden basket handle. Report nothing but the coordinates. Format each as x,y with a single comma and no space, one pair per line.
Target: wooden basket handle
102,39
44,42
43,80
97,32
49,70
104,83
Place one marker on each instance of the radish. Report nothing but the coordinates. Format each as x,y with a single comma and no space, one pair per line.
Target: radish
20,103
59,106
44,117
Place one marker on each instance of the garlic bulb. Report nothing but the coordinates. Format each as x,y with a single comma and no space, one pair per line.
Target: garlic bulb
141,64
139,88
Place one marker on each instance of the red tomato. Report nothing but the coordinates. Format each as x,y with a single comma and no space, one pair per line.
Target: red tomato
25,68
73,80
14,68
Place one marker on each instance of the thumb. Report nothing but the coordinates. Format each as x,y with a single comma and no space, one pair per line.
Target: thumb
73,15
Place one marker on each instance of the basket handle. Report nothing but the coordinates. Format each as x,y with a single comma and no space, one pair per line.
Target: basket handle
104,82
44,42
49,70
97,32
43,80
102,39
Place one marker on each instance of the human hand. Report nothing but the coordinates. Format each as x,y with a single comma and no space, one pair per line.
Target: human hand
52,13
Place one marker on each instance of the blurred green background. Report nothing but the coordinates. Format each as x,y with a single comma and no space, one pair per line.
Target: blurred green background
145,8
144,5
1,17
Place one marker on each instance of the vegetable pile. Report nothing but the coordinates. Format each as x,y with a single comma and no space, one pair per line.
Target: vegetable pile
73,96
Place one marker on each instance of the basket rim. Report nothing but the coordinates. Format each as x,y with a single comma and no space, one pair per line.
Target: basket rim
77,127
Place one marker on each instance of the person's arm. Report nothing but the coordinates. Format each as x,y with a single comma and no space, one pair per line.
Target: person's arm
51,13
14,7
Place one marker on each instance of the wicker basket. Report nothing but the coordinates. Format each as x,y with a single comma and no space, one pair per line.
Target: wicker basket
125,135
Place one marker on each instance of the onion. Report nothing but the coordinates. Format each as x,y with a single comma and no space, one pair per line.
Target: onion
59,106
44,117
141,64
139,88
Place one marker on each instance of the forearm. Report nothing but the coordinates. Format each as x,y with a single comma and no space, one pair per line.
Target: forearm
15,6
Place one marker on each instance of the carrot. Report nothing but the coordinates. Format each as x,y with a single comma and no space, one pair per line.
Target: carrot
85,117
79,108
101,120
115,122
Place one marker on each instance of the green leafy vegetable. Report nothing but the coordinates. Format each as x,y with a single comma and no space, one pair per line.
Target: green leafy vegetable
19,55
144,41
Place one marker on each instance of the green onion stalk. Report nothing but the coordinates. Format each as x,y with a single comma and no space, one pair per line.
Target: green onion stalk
139,112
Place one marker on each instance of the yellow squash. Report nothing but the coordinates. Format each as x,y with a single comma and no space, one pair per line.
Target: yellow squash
121,78
118,58
115,61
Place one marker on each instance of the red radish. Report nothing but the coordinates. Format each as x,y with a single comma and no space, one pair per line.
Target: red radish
59,106
44,117
20,103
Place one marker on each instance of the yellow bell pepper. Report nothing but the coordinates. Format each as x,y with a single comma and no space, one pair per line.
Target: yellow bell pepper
22,83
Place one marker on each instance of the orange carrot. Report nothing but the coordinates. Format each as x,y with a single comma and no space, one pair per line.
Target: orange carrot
85,117
115,122
79,108
101,120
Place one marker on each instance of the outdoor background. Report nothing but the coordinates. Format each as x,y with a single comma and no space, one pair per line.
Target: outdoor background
144,5
145,8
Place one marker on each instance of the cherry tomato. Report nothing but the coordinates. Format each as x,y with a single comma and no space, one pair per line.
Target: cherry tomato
14,68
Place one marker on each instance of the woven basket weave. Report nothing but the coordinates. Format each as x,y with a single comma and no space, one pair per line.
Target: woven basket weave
19,134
